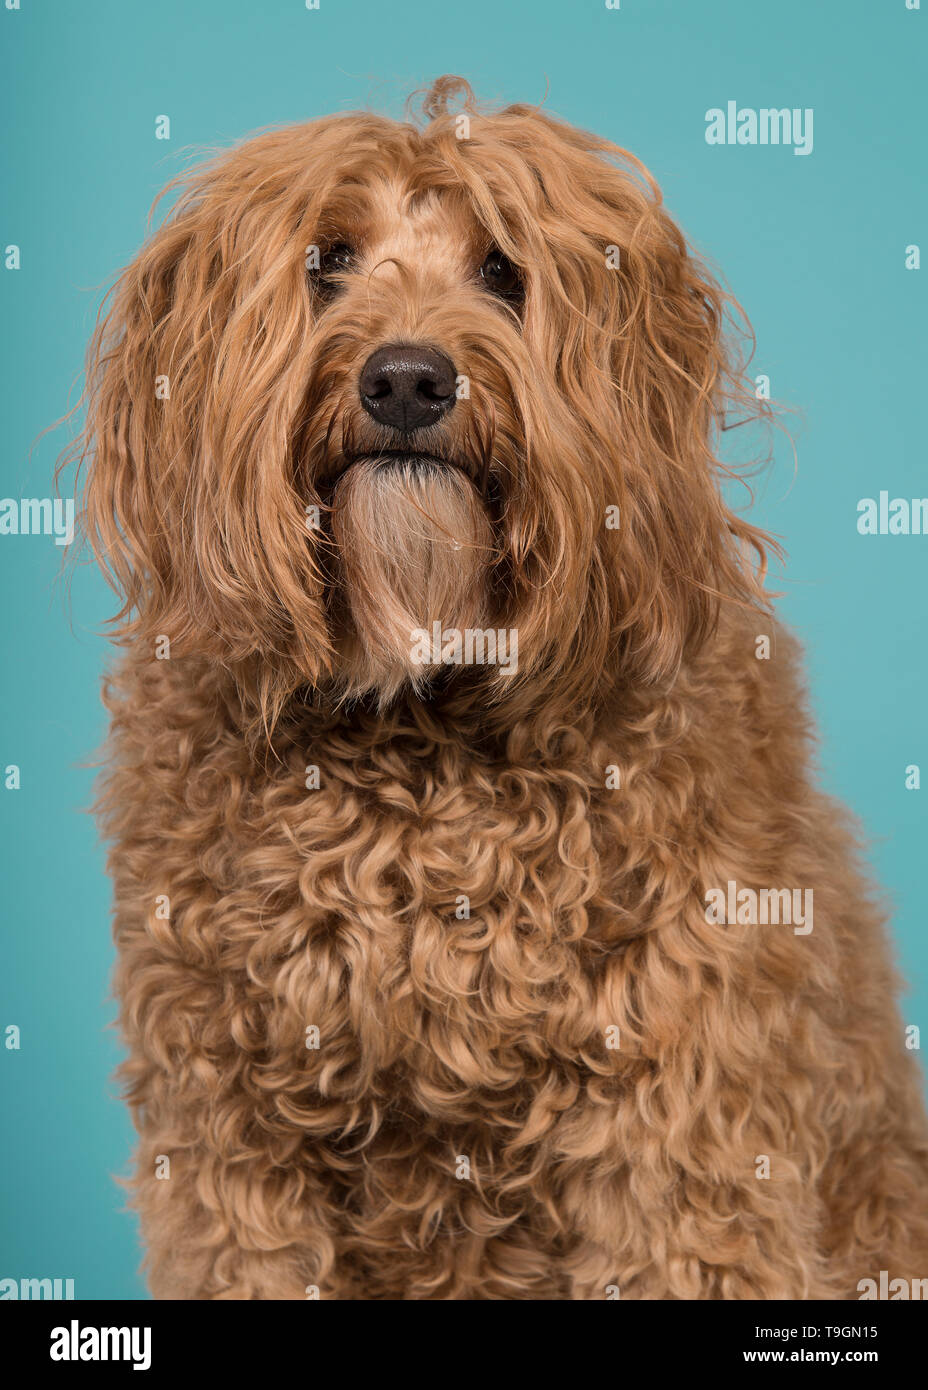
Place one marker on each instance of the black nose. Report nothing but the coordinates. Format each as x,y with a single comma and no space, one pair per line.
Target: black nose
407,386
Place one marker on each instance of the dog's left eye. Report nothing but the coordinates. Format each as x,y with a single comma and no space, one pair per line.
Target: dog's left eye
500,276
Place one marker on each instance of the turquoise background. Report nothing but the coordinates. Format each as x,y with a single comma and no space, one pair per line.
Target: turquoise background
813,247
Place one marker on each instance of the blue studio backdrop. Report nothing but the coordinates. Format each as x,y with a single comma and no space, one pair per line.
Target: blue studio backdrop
817,238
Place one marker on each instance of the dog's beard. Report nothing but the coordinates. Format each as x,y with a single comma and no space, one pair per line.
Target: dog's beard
414,546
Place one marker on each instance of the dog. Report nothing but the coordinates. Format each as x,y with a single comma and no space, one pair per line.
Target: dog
481,931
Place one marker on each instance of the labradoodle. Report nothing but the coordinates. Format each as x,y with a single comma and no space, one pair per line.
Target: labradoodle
481,930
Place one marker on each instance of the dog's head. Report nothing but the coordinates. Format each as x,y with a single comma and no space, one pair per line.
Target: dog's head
375,386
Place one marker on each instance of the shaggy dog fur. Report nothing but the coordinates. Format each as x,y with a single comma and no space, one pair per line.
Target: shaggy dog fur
414,964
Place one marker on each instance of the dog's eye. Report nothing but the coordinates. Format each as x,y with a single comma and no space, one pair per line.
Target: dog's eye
336,260
500,276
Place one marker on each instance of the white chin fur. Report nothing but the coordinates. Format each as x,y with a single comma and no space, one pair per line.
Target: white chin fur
414,545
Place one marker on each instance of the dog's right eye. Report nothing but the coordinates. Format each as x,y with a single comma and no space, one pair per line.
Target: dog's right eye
337,259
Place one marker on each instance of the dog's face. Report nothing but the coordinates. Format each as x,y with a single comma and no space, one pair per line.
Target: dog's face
371,378
414,438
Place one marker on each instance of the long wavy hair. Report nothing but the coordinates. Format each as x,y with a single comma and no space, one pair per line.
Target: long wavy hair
221,383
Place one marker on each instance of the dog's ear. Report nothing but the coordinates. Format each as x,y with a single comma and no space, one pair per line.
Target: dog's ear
196,375
680,551
635,328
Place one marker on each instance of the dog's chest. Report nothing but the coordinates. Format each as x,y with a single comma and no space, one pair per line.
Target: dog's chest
431,912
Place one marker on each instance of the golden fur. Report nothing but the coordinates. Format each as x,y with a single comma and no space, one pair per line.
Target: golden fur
445,1037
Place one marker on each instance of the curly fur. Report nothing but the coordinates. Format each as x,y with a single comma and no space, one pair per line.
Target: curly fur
444,1037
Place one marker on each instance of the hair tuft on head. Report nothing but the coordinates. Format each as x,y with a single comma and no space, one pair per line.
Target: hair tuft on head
447,91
